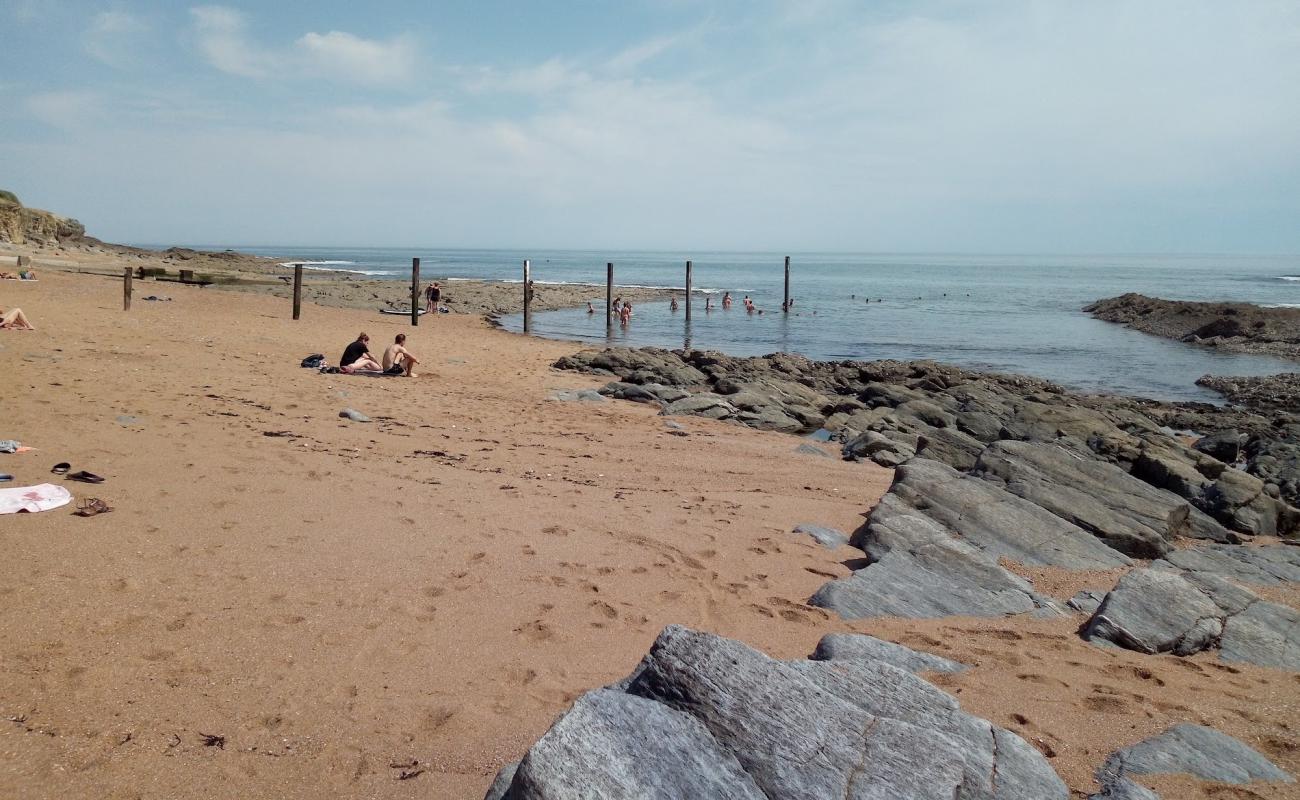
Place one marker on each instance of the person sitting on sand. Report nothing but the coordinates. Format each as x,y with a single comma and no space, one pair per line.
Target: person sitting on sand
625,314
398,360
672,303
356,357
726,300
15,320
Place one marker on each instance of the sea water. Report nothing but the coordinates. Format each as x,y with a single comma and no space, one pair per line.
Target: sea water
1019,313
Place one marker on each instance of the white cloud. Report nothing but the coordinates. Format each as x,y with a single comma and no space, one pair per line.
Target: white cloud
68,110
222,34
113,38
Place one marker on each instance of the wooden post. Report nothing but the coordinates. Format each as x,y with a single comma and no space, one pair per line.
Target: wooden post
297,290
786,305
609,295
528,295
126,288
688,290
415,291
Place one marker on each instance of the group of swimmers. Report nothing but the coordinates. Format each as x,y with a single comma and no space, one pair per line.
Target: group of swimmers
396,359
623,309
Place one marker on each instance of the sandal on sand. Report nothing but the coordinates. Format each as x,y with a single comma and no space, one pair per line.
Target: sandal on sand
85,477
5,476
61,468
92,506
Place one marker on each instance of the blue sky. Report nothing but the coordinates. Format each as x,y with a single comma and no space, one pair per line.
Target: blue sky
1154,126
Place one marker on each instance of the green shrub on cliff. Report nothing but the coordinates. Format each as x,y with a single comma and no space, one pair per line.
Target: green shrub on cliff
8,198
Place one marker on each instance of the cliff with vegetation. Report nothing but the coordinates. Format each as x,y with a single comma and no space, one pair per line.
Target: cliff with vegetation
21,225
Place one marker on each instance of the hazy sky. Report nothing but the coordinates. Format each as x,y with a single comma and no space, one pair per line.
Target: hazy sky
1135,126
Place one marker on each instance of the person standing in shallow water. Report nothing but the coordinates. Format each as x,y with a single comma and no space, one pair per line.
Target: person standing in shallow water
672,303
726,300
625,315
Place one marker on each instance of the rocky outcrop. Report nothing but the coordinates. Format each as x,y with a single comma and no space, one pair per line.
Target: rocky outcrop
1195,750
1263,392
1236,327
703,716
889,412
1164,611
862,648
20,225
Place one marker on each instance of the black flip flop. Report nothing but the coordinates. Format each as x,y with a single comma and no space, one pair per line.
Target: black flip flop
61,468
5,477
85,477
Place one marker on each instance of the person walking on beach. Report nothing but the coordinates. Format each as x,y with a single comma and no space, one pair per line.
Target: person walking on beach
357,356
432,296
398,360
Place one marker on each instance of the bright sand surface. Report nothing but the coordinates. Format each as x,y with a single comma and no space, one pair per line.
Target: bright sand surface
435,586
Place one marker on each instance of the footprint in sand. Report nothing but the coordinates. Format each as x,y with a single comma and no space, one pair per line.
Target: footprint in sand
536,631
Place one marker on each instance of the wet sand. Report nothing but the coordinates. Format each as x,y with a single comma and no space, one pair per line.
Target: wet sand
307,614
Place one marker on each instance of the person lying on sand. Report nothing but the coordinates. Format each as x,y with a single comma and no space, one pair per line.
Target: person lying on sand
15,320
357,356
398,360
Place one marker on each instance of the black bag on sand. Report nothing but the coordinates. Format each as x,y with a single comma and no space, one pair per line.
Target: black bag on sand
314,361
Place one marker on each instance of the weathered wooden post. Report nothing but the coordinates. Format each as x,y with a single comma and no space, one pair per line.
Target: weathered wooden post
688,290
126,288
415,291
528,296
297,290
609,295
785,306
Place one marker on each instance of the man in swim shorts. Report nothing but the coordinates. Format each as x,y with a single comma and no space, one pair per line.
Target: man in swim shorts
398,360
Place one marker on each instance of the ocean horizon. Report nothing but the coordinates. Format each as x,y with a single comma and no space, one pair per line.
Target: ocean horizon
1010,313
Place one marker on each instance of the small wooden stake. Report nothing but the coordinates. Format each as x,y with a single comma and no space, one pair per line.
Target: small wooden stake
609,295
528,295
415,291
786,305
297,290
126,288
688,290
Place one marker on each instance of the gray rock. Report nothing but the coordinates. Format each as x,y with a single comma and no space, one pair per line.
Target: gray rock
1224,445
1131,516
629,391
879,448
611,744
1264,566
920,571
1159,610
1002,525
1196,750
501,783
1154,611
826,537
860,647
354,415
705,404
1086,600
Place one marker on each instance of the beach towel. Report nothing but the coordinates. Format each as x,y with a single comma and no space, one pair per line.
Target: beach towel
33,498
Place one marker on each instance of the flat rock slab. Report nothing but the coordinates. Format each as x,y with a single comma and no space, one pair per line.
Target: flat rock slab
920,571
826,537
995,521
1264,566
578,396
703,716
1196,750
862,648
1162,611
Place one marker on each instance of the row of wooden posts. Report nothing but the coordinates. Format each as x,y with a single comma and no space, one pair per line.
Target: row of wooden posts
528,291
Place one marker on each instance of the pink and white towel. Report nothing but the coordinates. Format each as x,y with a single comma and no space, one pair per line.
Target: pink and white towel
33,498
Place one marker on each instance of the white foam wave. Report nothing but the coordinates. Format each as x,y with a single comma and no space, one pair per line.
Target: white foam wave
1281,305
1288,277
314,263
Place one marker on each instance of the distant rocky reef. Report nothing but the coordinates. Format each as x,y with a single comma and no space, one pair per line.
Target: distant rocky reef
1234,327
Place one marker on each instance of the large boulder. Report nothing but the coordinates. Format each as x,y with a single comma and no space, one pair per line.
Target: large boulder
1196,750
920,570
1129,515
703,716
1001,524
1159,610
1263,566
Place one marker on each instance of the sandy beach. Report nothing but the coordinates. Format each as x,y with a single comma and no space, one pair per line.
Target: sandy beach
288,604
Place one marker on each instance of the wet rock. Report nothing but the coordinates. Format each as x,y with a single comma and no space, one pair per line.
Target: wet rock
860,647
1196,750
